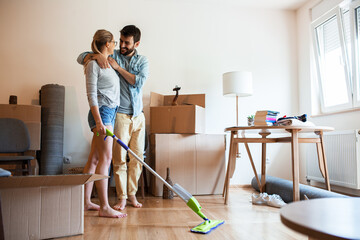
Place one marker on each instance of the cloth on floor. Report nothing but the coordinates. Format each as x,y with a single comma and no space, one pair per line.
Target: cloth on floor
273,200
294,122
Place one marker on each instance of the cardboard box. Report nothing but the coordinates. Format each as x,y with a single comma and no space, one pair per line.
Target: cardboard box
187,117
196,162
27,113
30,115
41,207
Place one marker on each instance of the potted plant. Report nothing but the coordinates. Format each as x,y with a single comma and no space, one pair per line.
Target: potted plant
250,119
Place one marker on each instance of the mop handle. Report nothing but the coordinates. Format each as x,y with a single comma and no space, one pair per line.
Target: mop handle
108,133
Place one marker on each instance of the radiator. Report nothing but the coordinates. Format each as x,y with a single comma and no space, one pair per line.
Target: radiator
343,159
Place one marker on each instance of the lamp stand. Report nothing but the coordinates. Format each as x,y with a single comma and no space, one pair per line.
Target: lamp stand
237,111
238,155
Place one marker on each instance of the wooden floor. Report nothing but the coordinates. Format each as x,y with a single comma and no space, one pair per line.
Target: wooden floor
172,219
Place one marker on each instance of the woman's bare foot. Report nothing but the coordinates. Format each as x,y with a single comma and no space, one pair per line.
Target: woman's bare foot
120,205
111,213
133,201
91,207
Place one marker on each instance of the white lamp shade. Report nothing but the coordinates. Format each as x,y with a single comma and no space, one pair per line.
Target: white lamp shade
237,84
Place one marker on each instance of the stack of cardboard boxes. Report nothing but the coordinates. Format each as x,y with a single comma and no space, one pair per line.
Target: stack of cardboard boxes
178,141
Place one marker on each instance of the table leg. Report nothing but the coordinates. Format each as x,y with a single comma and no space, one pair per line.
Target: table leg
263,167
320,159
263,162
232,158
326,173
252,164
227,167
295,163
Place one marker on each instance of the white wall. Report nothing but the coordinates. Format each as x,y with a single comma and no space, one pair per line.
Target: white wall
188,43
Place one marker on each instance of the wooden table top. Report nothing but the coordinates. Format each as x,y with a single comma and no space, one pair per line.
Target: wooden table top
325,218
302,128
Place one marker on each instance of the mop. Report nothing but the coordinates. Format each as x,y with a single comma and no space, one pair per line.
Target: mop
206,226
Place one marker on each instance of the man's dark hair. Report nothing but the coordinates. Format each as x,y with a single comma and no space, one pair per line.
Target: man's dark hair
131,30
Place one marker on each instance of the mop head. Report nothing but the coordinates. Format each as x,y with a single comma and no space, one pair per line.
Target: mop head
207,226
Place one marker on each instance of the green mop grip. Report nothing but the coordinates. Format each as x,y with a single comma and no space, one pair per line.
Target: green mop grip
195,206
110,134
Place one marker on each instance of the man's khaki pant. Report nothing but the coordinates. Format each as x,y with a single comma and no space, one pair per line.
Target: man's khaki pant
130,130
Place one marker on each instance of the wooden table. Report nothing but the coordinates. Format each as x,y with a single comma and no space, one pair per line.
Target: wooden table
294,139
325,218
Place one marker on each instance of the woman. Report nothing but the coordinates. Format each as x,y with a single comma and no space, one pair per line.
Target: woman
103,92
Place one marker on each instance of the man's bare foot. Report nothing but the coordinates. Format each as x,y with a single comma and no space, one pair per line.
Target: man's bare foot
120,205
91,207
133,201
111,213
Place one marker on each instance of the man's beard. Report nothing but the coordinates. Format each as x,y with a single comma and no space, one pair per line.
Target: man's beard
127,52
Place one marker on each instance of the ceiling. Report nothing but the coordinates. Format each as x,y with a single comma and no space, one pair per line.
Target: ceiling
275,4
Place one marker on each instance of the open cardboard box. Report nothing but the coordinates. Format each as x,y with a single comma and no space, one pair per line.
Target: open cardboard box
187,117
40,207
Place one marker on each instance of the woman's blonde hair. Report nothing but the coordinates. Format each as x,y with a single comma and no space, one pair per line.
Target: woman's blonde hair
101,37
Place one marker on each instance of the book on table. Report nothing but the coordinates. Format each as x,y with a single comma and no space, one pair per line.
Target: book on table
265,118
266,112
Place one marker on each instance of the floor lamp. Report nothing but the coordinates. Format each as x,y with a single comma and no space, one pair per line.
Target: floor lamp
237,84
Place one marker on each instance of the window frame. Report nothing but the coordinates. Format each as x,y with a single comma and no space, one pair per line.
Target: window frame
337,13
355,48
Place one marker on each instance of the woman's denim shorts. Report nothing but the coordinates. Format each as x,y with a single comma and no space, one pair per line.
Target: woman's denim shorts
107,115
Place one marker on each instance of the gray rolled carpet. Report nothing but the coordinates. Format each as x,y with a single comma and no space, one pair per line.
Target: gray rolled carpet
284,188
52,100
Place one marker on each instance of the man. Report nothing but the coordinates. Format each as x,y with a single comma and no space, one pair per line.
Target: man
133,70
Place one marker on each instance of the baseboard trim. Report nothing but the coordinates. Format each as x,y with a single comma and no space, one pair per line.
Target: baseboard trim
240,186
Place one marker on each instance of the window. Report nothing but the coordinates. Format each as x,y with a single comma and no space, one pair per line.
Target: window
355,18
336,45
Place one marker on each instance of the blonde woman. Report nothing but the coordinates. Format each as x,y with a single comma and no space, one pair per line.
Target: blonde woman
103,92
